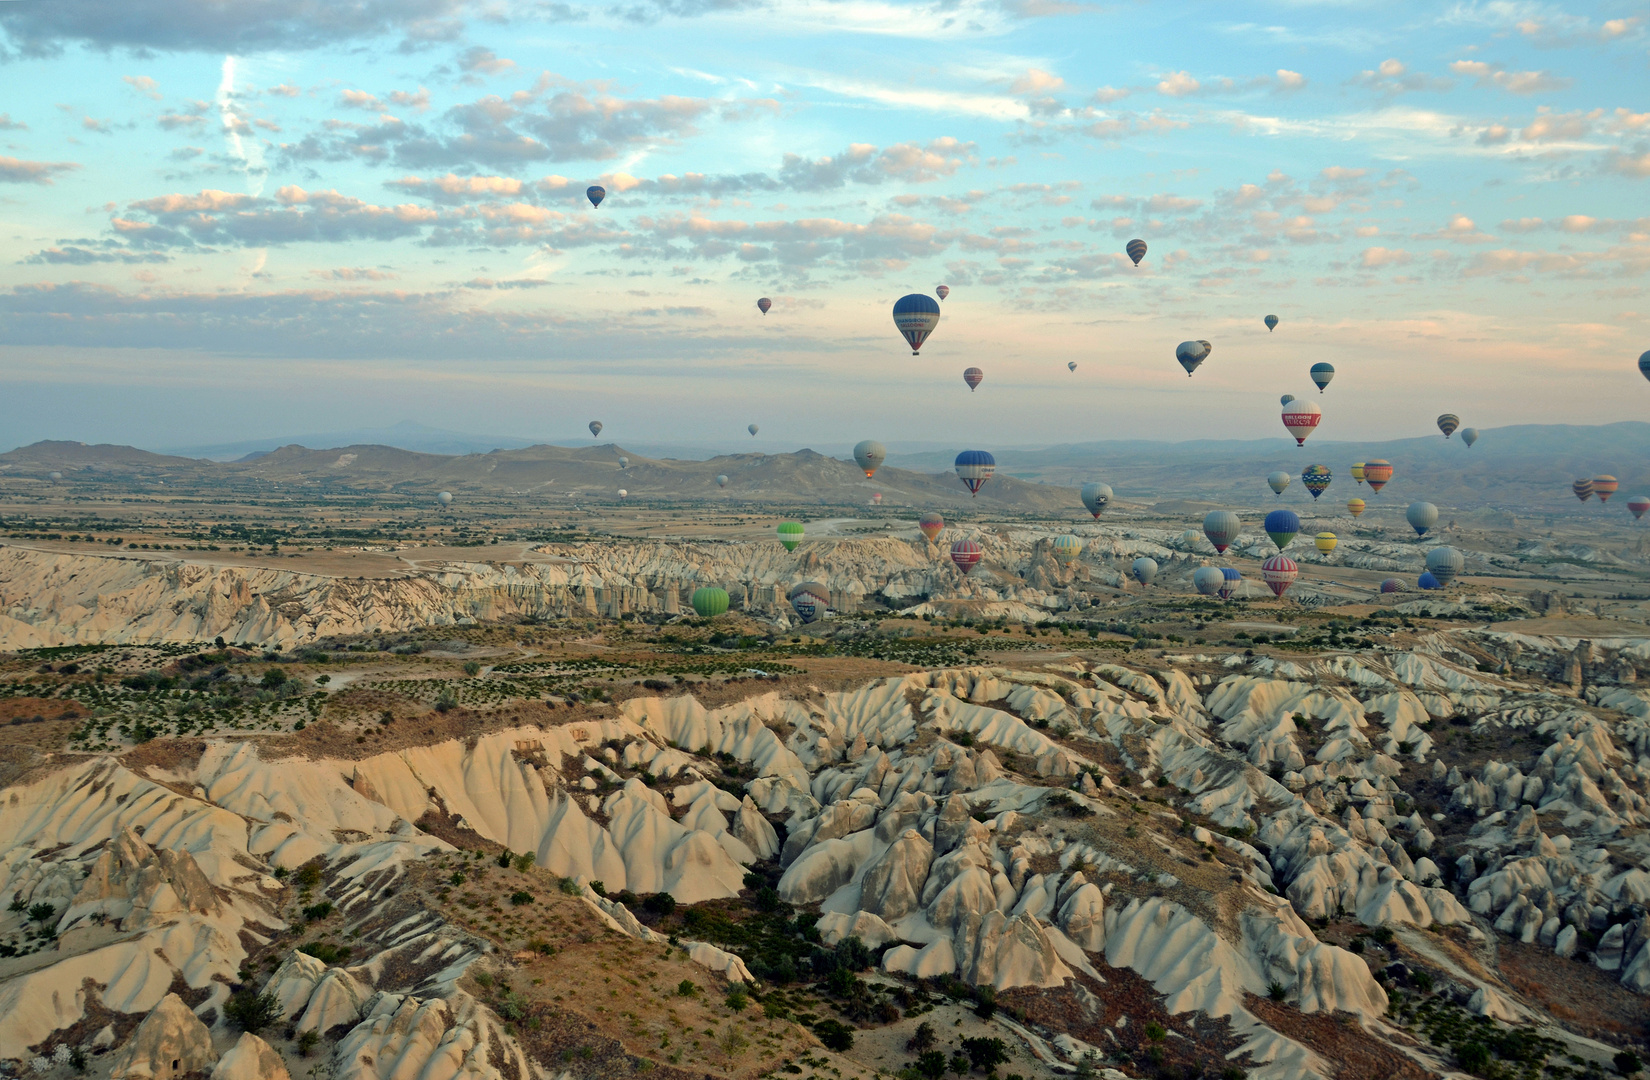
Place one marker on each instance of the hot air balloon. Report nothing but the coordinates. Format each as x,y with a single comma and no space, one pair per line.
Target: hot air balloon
1325,542
1286,399
966,554
1071,365
1281,526
1189,538
1604,487
1421,517
624,463
973,377
1377,472
722,480
445,498
1321,374
1448,423
869,455
876,498
623,494
810,600
1221,527
930,525
1137,250
1644,364
763,305
1300,418
710,602
1190,354
1427,581
1357,471
790,534
1469,436
753,429
1316,478
943,291
1144,570
595,193
1278,481
595,428
1583,489
1271,323
1095,496
974,467
1638,504
1391,584
1354,507
1207,580
915,316
55,477
1067,548
1279,572
1444,563
1230,585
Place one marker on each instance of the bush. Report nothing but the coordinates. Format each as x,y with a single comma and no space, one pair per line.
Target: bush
326,951
835,1035
737,999
523,863
984,1055
931,1064
1473,1057
307,1041
520,897
42,912
318,911
660,903
985,1004
959,1063
1276,991
1627,1063
251,1011
569,887
687,988
308,877
472,668
922,1040
1155,1032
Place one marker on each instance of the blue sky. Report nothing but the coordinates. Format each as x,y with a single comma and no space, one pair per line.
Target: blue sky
237,218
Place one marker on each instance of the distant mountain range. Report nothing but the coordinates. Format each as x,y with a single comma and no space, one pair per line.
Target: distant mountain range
1525,468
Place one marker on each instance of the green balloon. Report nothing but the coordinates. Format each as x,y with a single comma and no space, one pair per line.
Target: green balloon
790,534
710,603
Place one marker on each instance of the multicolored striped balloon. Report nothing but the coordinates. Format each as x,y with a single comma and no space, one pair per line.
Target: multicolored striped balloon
1638,504
943,291
1354,507
966,554
1316,479
1279,572
763,305
1136,250
1229,587
930,525
973,377
1583,489
974,468
1448,423
1271,323
1377,472
1391,584
1604,487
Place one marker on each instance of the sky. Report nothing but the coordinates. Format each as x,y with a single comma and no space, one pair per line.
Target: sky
226,219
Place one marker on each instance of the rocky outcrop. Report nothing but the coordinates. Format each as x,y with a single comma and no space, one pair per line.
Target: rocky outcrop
169,1043
250,1059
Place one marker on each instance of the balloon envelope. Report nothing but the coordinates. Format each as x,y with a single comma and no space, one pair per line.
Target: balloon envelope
1301,419
1444,563
623,494
56,476
1279,572
1638,504
1604,487
445,498
1136,250
1278,481
1067,548
624,463
1144,570
1071,365
966,554
1095,496
595,428
930,525
974,468
1377,472
1644,364
753,429
1427,581
1221,527
1286,399
595,193
943,291
869,455
1321,374
810,600
763,305
1448,423
710,602
1469,436
1271,322
1583,489
1229,586
1392,584
1190,355
1325,542
1421,517
1208,580
1354,507
1357,471
973,377
1281,526
790,534
915,316
1316,479
722,481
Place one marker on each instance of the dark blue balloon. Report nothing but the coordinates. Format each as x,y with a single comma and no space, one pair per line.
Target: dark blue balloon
1427,581
595,193
1283,521
916,302
975,467
1231,574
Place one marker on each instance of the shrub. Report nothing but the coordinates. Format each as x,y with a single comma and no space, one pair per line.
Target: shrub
42,912
520,897
1276,991
1473,1057
737,999
1155,1032
570,887
984,1054
985,1004
687,988
504,859
959,1063
523,863
326,951
1627,1063
835,1035
318,911
308,877
660,903
931,1064
307,1041
472,668
921,1040
251,1011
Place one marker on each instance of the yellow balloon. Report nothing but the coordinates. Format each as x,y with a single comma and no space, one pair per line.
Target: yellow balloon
1355,506
1358,471
1326,542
